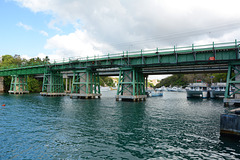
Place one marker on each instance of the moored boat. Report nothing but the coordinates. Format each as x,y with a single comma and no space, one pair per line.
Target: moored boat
104,88
155,93
217,90
197,90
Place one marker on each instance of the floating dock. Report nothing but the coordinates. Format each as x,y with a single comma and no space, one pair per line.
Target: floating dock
231,102
230,123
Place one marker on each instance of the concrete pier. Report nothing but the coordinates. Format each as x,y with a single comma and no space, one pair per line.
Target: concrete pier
231,102
1,84
19,85
18,92
52,94
230,123
85,96
131,85
131,98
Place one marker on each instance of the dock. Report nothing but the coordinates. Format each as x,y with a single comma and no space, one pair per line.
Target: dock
230,123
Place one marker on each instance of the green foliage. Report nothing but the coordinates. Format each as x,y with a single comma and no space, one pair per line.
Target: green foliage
106,81
219,77
175,80
7,83
34,85
150,84
9,61
184,80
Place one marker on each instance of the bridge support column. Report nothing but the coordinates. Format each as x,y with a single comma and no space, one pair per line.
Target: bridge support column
146,82
131,85
18,85
232,93
53,84
70,84
85,84
1,84
67,84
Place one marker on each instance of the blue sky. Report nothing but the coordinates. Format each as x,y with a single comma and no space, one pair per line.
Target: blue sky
79,28
25,32
15,39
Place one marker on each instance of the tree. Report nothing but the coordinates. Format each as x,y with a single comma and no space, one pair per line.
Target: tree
106,81
9,61
34,85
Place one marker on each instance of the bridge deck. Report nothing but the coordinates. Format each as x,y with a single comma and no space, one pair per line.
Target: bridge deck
190,59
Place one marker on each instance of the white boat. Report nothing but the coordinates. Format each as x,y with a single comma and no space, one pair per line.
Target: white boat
104,89
217,90
181,89
176,89
158,89
173,89
155,93
197,90
163,88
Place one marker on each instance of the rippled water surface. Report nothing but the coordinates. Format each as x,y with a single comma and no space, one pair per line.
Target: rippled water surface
168,127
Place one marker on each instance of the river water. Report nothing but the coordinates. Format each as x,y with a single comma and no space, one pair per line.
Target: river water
168,127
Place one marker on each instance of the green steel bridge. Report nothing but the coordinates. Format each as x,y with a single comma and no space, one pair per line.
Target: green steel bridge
132,68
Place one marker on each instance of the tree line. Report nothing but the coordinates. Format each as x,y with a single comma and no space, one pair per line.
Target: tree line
8,61
184,79
35,85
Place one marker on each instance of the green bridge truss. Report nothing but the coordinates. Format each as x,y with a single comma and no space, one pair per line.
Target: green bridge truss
219,55
215,57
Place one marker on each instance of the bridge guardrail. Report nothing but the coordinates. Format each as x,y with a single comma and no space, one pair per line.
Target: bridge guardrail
147,52
161,51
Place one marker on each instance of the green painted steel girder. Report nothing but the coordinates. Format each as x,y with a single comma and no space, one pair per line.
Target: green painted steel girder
52,82
19,83
131,82
85,82
214,54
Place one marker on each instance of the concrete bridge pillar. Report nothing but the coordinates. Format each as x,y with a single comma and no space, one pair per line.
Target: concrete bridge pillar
67,83
53,84
18,85
146,82
232,93
131,85
1,84
70,84
85,84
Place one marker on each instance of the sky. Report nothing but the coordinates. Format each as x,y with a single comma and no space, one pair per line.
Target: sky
79,28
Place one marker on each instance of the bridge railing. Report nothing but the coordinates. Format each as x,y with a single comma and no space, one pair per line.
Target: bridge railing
160,51
140,53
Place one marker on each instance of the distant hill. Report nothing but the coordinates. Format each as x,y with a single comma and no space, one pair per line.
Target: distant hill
185,79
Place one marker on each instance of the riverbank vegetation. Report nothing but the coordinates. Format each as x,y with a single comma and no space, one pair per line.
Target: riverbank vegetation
35,85
184,79
8,61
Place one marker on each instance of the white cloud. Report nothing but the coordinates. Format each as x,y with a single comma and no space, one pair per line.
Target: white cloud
159,77
27,27
26,57
52,25
44,33
77,44
136,24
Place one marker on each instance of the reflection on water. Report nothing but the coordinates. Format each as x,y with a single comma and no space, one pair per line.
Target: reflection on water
168,127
